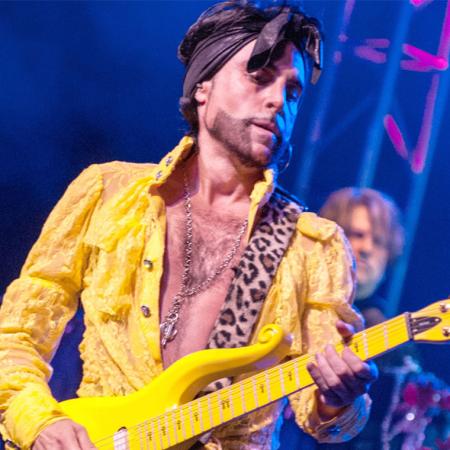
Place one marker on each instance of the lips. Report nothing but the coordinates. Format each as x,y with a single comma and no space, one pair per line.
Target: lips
267,125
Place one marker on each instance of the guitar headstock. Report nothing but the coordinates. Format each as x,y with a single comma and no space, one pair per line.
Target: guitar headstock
432,323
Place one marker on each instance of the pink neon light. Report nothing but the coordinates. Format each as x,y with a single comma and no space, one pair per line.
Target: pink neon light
444,44
419,156
348,11
365,52
337,57
342,37
378,43
419,3
396,136
422,61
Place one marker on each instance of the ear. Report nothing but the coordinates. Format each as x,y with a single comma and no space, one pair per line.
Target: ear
202,92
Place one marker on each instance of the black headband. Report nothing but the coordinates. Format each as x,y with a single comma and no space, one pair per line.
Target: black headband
214,51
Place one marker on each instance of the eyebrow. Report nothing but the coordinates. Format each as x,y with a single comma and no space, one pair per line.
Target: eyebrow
293,82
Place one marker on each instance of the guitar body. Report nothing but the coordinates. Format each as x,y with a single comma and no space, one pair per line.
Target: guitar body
112,422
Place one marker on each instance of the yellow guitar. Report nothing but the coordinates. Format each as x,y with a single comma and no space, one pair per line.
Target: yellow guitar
165,414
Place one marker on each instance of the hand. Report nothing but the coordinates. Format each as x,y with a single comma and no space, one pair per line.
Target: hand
63,435
340,379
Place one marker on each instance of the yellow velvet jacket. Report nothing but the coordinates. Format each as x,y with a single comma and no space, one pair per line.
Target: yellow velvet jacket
92,249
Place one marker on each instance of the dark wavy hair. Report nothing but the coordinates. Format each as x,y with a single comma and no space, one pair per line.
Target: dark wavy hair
219,16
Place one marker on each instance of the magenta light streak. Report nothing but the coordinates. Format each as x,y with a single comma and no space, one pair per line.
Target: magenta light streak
444,44
369,53
419,3
378,42
348,11
420,153
422,61
395,135
337,57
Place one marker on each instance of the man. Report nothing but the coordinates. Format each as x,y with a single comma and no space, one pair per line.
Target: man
371,222
143,247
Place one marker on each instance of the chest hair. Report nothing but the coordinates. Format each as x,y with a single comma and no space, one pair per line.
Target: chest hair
213,239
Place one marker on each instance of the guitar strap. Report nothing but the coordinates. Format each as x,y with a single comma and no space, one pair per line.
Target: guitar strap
253,275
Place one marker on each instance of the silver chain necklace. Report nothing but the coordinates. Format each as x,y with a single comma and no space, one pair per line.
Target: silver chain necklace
168,326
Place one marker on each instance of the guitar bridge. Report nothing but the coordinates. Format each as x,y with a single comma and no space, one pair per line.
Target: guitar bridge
121,439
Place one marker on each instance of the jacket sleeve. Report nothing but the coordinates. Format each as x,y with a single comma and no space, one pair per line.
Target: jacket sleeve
329,295
36,308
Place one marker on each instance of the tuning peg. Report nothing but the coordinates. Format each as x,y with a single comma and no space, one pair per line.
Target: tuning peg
444,307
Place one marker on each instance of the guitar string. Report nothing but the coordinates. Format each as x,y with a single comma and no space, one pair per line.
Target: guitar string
216,404
372,332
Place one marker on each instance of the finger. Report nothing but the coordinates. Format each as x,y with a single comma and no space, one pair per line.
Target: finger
366,371
330,397
345,329
83,440
70,441
336,373
45,444
341,369
330,383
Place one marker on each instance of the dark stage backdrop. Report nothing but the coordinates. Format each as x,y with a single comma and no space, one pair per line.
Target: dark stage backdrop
88,82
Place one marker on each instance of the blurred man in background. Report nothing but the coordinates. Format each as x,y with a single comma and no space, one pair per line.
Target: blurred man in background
371,221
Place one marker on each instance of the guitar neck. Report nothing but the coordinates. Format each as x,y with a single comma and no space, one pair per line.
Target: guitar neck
203,414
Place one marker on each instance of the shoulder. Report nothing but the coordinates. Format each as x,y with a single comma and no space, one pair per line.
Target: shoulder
309,224
114,168
117,175
317,228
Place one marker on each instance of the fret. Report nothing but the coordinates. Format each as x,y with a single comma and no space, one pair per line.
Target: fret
268,390
276,383
365,344
297,376
151,436
289,378
255,392
225,405
281,377
161,443
244,406
191,420
230,399
261,389
211,420
219,406
200,411
166,429
196,420
176,428
139,433
180,425
145,442
386,336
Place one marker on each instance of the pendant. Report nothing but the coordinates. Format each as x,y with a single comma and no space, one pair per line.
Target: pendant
168,330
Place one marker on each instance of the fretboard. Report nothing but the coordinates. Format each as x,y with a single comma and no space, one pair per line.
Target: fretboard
203,414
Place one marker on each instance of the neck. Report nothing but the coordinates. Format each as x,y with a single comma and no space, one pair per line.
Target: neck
217,178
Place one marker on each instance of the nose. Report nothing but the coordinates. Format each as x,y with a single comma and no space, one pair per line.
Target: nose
366,247
275,96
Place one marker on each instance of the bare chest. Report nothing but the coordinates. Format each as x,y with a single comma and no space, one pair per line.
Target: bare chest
213,239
